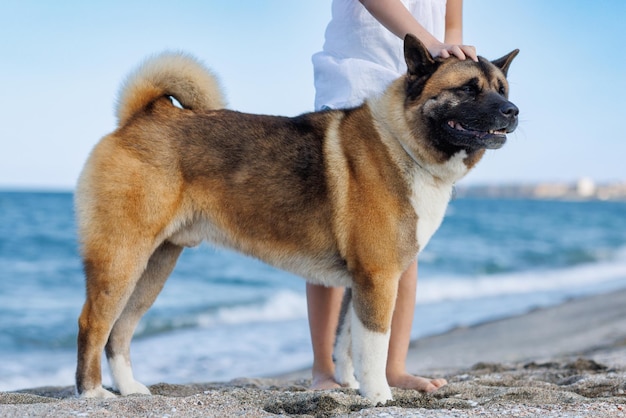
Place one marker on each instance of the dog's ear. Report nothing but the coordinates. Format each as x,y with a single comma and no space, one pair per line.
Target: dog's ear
419,62
504,62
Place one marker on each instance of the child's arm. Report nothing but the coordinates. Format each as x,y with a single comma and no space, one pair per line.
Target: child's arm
396,18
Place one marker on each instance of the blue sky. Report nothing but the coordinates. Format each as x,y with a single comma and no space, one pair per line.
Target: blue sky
63,61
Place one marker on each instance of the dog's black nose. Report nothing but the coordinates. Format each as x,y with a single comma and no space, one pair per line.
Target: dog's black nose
509,110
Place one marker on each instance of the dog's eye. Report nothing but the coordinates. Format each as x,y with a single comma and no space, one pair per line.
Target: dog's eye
502,89
470,88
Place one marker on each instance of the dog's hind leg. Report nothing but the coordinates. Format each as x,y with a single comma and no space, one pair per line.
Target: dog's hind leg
111,277
344,370
148,287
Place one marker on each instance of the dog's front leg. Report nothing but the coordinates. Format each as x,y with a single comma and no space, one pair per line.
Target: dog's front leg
372,309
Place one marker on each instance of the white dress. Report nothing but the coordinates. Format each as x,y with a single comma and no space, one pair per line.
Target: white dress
360,56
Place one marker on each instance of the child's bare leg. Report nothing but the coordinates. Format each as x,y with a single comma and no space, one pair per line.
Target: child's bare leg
324,304
401,324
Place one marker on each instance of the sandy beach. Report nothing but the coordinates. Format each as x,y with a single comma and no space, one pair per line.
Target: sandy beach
564,361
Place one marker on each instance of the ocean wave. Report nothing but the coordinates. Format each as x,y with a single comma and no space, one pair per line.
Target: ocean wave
288,305
440,289
284,305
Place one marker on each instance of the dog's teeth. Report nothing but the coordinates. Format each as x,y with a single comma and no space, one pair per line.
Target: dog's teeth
456,125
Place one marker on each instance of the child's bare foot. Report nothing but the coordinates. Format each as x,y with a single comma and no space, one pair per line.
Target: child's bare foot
408,381
323,381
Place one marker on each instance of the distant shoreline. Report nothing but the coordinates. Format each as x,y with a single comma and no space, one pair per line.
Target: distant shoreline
581,190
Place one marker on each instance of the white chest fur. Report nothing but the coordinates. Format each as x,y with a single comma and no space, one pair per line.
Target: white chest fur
430,202
432,189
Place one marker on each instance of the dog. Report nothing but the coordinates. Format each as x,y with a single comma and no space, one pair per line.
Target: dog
339,197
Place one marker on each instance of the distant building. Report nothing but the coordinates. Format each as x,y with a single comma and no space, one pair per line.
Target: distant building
585,187
552,190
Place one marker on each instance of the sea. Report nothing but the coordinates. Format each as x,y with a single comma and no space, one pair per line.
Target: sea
222,315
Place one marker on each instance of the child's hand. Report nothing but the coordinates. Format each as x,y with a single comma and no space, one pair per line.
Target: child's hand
460,51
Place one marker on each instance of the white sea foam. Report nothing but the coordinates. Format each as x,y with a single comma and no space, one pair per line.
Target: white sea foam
284,305
439,289
35,369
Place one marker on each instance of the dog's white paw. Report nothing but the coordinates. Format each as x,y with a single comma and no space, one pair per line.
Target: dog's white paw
124,379
133,387
345,377
377,395
97,393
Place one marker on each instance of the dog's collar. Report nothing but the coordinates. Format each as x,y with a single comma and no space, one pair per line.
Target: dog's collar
410,153
414,158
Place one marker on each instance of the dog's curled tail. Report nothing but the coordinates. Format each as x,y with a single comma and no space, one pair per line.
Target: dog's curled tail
173,74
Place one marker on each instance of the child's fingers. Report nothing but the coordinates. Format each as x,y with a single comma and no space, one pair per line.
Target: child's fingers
470,52
457,52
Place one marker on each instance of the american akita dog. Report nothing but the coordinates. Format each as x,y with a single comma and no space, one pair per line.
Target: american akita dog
339,197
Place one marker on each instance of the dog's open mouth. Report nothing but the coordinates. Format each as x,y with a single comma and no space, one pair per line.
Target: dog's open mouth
480,134
492,138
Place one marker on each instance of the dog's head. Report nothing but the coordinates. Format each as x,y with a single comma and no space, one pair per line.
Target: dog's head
462,104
